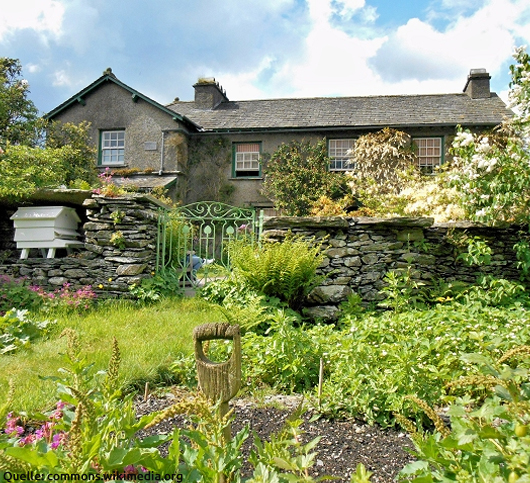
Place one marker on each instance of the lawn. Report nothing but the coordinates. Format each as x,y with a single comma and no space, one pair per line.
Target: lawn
149,338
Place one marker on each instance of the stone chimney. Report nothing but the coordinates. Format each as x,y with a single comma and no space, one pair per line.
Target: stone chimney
208,93
478,84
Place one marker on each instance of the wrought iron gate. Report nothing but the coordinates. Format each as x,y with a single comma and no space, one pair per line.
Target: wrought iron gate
202,230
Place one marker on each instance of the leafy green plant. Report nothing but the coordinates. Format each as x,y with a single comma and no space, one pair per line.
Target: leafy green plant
286,270
494,292
118,240
478,252
18,330
298,174
117,216
488,439
402,289
284,456
165,283
522,252
15,293
375,361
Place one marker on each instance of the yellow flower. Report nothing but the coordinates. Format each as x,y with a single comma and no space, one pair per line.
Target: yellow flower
110,279
100,285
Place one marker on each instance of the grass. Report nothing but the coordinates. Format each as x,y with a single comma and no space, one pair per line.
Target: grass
149,338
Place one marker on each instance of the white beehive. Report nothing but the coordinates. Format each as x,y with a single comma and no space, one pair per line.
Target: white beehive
47,228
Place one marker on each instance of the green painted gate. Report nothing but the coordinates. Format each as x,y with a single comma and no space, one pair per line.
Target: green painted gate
202,229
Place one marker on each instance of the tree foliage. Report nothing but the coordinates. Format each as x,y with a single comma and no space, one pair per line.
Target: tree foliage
26,166
382,158
25,169
492,171
19,120
82,162
297,175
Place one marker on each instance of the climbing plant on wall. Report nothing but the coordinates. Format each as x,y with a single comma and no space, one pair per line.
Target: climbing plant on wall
208,163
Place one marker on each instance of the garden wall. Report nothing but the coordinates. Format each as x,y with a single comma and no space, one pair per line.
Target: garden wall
362,250
110,263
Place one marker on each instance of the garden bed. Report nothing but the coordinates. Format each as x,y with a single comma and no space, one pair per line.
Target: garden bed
343,443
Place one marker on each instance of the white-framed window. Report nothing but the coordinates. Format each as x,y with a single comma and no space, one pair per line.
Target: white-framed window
339,152
112,148
429,153
247,160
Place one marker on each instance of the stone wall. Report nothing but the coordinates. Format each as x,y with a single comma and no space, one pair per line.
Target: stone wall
108,268
360,251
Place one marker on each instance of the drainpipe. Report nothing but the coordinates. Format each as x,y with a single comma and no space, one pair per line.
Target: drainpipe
162,155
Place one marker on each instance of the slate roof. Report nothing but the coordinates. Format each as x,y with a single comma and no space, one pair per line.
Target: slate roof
110,77
337,112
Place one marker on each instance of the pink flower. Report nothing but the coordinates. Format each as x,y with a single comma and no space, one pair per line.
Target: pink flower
29,439
58,439
12,427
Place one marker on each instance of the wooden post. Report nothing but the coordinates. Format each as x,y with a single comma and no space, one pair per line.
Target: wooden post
219,380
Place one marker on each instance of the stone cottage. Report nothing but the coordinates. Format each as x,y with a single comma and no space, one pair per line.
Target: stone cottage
212,148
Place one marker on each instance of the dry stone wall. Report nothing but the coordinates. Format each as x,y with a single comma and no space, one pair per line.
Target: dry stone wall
110,263
360,251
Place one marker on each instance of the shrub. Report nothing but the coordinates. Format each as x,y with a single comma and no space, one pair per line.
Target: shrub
298,174
286,270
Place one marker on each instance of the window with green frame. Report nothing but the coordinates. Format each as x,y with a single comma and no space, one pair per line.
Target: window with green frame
429,153
112,148
246,160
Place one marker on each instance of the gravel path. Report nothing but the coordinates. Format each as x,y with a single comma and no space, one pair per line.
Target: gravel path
343,444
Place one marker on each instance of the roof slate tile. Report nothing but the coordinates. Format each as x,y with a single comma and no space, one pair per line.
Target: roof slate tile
347,112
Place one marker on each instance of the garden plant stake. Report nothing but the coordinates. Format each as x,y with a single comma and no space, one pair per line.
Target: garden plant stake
219,380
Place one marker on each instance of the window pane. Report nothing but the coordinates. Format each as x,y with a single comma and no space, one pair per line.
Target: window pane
112,147
428,153
246,159
338,151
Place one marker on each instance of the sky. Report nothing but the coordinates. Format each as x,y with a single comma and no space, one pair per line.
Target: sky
262,49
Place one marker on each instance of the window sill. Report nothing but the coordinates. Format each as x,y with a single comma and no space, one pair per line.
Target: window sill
246,177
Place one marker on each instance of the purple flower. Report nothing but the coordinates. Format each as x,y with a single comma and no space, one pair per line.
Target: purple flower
58,439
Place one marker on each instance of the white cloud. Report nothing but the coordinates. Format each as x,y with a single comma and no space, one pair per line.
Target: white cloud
333,61
39,15
62,79
32,68
414,58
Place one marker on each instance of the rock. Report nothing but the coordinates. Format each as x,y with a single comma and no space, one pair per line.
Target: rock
323,312
329,294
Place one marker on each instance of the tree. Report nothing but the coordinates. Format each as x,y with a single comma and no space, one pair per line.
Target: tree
25,169
80,163
19,120
297,175
382,158
25,165
492,171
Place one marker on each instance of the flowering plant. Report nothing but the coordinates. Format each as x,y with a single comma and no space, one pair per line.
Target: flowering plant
492,171
66,297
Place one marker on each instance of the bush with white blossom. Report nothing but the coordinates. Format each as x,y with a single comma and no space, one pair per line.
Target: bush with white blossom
492,172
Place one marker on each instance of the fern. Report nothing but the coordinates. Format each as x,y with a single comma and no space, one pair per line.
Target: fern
286,270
